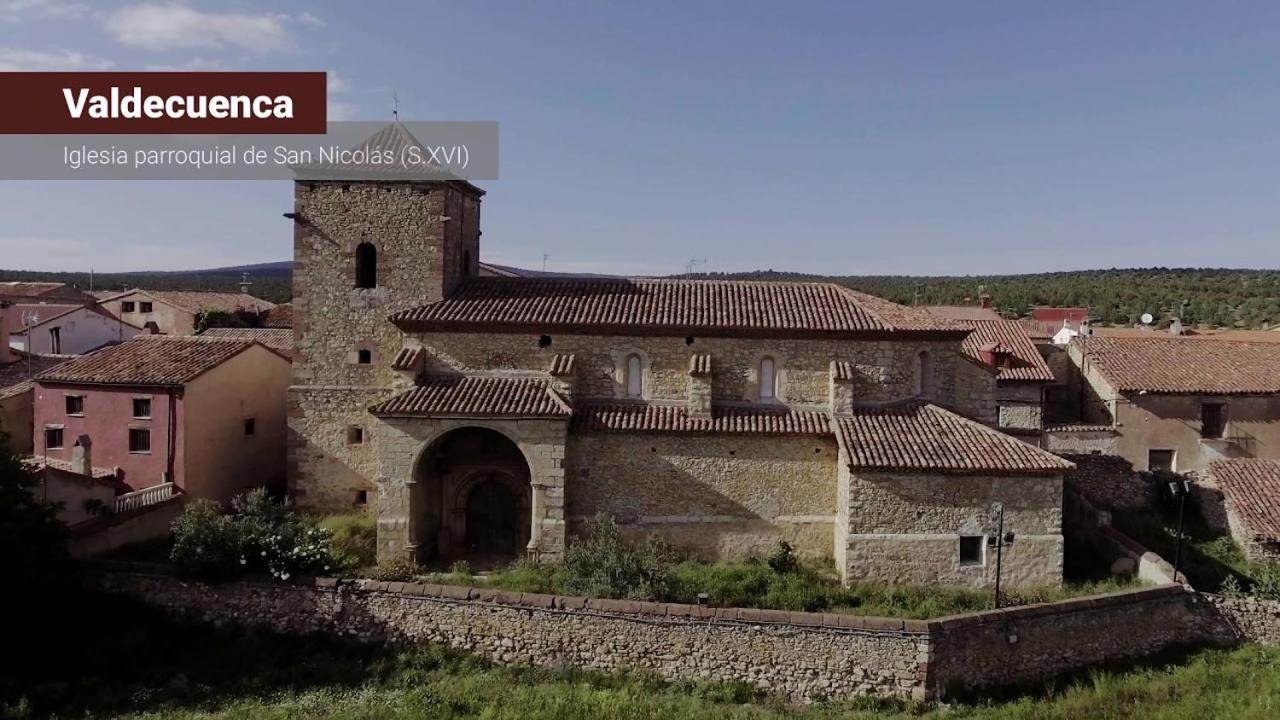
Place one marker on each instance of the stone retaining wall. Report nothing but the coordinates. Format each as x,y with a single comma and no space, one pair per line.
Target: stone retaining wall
803,656
1254,619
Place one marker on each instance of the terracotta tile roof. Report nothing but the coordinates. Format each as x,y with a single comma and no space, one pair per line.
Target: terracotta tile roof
563,365
471,396
1173,365
280,339
917,436
668,306
14,376
99,473
1012,337
1078,428
700,364
1269,336
159,360
280,316
1252,488
407,358
643,417
194,301
962,312
21,288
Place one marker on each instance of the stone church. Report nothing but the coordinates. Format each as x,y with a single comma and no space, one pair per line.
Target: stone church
488,418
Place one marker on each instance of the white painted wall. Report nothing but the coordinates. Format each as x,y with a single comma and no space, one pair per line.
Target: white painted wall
82,330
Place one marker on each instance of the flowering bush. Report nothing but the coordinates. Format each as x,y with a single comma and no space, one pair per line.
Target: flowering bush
258,535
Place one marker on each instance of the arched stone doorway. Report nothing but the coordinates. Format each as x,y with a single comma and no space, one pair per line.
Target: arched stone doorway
474,499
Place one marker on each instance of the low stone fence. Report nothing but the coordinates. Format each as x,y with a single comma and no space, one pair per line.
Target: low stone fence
803,656
1254,619
102,535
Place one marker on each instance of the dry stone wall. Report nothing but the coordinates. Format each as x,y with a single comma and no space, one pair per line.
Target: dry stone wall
1254,619
803,656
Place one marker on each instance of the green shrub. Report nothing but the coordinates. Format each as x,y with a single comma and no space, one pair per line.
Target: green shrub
398,570
354,540
33,542
259,534
528,576
603,564
783,558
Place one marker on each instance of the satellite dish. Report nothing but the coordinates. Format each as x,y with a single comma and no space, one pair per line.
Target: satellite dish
1147,318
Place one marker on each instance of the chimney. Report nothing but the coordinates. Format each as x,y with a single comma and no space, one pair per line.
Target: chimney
6,355
82,456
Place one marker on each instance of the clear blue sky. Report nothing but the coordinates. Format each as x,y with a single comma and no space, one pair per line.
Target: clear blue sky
843,137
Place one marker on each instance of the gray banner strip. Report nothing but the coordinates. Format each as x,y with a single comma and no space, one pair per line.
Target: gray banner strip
399,151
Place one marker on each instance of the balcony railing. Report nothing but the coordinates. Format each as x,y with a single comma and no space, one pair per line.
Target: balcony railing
145,497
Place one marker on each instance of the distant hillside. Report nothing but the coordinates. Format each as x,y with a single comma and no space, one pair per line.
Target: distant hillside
270,281
1222,297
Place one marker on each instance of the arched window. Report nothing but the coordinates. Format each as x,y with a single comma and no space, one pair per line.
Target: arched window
366,265
635,377
768,380
923,374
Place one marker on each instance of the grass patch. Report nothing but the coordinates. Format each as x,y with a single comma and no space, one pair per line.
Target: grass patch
354,544
143,665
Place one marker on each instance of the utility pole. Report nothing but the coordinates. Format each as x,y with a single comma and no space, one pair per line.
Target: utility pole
1000,541
693,262
545,257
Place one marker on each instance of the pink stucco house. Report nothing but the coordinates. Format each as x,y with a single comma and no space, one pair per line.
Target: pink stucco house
207,414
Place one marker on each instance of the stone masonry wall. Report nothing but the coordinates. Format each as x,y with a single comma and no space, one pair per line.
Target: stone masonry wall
1019,645
722,496
803,366
906,528
803,656
1255,619
1110,482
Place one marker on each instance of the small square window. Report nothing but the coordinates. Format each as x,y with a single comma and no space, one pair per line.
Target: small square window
127,307
1213,420
1160,460
364,357
362,497
142,407
249,427
75,404
52,438
139,440
355,435
971,550
144,307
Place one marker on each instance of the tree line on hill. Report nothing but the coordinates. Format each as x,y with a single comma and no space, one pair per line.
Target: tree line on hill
1198,296
271,285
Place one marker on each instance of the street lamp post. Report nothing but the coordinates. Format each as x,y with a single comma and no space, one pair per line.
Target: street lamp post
1180,489
999,541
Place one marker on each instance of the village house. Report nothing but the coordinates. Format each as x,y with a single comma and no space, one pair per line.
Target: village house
278,339
66,329
488,418
177,312
1249,491
16,371
1171,403
21,291
205,414
1005,349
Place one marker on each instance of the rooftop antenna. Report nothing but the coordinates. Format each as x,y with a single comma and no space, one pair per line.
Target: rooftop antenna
395,106
245,282
29,320
545,257
688,267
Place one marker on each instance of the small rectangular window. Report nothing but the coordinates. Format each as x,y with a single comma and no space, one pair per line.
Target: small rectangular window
142,407
355,435
52,438
1160,460
75,404
144,307
127,307
249,427
362,497
971,550
364,357
1213,420
139,440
